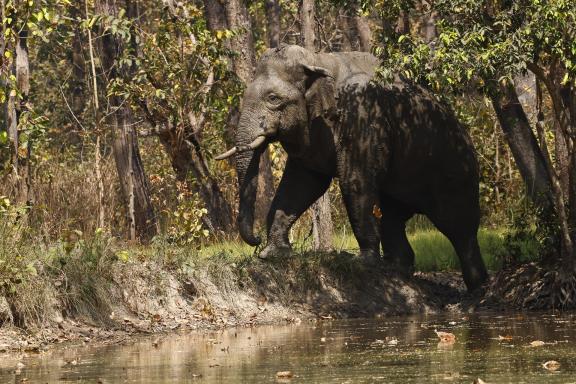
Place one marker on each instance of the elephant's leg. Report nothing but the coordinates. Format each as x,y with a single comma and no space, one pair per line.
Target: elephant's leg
395,245
459,221
359,199
298,190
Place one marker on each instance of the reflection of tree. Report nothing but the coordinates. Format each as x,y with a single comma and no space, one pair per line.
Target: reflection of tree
349,352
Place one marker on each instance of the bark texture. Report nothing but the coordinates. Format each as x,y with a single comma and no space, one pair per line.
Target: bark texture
364,33
523,145
133,180
272,8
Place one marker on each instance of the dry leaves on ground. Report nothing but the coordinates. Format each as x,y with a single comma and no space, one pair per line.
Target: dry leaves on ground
446,337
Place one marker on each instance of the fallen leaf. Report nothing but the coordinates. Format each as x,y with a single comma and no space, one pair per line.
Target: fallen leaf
446,337
537,343
551,365
284,374
479,381
393,341
507,338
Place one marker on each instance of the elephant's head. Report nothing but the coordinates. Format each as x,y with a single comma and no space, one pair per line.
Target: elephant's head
291,88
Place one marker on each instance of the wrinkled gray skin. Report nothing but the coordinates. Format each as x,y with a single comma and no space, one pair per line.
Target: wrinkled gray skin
391,146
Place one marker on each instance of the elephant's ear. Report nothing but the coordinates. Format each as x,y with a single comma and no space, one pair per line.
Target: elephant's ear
320,92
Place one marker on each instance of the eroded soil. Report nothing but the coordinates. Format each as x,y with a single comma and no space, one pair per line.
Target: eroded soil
143,298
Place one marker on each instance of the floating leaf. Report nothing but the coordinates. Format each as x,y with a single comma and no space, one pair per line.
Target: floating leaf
551,365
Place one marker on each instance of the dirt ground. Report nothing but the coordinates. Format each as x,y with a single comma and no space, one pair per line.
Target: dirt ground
143,298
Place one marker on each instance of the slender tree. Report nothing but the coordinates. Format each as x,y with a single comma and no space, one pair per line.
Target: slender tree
133,179
322,228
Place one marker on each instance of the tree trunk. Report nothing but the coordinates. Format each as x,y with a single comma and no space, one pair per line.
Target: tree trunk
23,82
307,35
322,229
562,157
429,25
364,33
133,180
215,15
15,107
243,64
96,107
523,145
403,23
564,106
78,63
272,8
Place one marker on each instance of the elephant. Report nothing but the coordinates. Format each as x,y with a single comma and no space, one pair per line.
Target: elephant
392,146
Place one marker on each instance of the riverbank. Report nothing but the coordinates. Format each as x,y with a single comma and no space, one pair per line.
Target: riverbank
98,290
143,297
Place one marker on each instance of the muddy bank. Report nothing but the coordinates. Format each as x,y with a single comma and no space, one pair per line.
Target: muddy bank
142,297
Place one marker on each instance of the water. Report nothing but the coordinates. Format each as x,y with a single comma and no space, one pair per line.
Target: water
397,350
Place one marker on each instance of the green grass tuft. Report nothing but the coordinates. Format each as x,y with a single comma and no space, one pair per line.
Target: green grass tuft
433,250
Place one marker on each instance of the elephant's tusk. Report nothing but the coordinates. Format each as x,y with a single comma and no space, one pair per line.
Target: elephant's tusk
258,141
227,154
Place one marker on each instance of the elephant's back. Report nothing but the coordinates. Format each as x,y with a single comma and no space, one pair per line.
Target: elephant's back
430,151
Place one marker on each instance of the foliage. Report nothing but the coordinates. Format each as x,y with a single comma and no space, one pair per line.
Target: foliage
17,256
479,42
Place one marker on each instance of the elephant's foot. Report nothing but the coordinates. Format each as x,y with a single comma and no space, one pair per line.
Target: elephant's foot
275,252
404,269
399,267
370,258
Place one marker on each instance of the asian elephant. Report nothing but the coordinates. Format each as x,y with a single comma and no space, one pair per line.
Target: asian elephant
391,146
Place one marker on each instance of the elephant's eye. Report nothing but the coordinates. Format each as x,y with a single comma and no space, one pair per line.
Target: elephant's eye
274,98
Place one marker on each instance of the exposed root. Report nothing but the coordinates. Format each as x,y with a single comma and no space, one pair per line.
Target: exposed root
532,287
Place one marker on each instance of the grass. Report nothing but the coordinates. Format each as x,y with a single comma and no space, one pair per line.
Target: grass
432,249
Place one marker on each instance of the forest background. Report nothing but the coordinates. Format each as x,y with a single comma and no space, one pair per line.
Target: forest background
115,109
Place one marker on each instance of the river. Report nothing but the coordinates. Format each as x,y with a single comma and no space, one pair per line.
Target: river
498,348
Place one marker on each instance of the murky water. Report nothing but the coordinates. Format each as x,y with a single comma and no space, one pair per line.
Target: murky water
496,348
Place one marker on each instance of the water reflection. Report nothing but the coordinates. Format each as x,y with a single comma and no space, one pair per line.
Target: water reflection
398,350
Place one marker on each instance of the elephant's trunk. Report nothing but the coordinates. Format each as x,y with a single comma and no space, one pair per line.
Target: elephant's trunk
247,167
